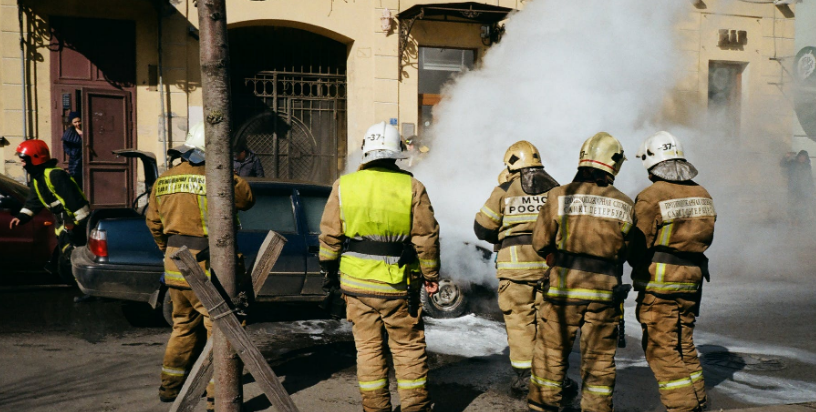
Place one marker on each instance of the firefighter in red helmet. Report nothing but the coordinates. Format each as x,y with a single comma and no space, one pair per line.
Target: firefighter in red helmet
53,188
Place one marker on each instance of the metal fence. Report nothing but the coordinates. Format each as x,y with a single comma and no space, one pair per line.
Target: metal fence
295,122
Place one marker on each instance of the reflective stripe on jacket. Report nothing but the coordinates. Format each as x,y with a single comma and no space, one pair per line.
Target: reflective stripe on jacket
671,217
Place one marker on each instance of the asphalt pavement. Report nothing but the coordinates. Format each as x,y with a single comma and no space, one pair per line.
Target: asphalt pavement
755,335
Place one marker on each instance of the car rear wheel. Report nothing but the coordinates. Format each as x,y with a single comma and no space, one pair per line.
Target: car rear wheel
449,302
167,308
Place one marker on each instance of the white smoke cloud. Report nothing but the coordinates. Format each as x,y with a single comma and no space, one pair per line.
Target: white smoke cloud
563,72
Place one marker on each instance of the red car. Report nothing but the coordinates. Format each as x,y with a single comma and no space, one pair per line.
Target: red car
29,247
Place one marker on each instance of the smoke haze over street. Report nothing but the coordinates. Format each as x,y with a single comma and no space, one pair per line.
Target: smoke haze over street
565,71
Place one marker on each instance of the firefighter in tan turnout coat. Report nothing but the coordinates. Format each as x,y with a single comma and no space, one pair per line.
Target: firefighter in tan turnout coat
584,230
675,225
379,241
507,220
177,216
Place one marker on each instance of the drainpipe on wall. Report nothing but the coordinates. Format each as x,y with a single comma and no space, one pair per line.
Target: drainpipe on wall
163,122
22,69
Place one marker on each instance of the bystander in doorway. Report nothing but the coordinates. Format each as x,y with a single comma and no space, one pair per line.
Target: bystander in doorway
72,146
246,163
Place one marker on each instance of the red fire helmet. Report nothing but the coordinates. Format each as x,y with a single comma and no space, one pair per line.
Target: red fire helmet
36,150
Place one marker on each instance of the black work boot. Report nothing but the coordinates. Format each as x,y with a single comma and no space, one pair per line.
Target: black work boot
166,396
521,382
569,391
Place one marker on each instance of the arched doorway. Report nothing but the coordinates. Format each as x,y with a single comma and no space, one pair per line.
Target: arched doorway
289,96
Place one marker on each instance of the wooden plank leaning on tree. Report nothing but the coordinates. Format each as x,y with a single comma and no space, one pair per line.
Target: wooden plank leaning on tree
225,320
202,371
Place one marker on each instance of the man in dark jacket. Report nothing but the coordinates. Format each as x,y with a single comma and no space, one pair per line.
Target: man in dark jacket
247,163
53,188
72,146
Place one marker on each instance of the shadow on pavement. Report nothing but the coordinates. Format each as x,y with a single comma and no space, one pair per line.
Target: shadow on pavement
719,364
452,397
304,368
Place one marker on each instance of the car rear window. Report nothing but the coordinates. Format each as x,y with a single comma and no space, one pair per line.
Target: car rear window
271,212
313,206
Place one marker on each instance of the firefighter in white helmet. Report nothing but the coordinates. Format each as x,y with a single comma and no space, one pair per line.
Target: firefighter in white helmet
674,226
507,220
379,242
177,216
584,231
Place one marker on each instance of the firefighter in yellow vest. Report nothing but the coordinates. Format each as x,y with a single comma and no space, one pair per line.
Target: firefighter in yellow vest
674,226
507,220
177,216
54,189
584,229
379,243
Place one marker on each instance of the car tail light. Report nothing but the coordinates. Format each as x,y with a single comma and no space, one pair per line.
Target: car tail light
98,243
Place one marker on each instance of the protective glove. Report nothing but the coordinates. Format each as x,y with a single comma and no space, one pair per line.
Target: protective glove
330,271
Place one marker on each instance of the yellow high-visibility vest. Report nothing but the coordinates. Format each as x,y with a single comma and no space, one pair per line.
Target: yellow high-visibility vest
375,204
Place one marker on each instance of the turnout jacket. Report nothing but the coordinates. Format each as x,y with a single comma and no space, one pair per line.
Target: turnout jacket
178,203
380,203
675,218
584,222
507,219
54,189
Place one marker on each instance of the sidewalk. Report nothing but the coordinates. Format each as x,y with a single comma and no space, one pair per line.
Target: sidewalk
799,407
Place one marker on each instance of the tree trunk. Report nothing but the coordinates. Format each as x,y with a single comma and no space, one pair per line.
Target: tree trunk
212,19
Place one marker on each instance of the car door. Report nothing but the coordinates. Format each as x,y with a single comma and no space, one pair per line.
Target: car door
275,210
311,202
16,244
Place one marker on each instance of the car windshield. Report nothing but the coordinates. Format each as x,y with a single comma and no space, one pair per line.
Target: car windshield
272,211
313,206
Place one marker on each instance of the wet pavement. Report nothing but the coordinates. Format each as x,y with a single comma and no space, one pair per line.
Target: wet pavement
106,355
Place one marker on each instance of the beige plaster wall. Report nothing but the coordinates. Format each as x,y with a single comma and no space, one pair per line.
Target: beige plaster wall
375,91
767,111
39,61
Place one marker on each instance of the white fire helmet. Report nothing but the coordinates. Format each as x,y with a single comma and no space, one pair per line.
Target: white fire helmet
659,147
663,155
382,141
194,146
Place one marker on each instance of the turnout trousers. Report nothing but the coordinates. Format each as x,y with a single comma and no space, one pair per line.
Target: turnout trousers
191,329
558,326
380,325
519,302
668,325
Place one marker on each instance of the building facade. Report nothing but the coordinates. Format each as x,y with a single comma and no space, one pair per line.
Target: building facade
309,77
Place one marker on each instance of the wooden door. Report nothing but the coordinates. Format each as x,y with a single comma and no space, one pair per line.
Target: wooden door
93,61
107,128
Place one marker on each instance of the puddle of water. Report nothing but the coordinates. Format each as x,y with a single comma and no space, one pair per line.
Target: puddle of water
467,336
